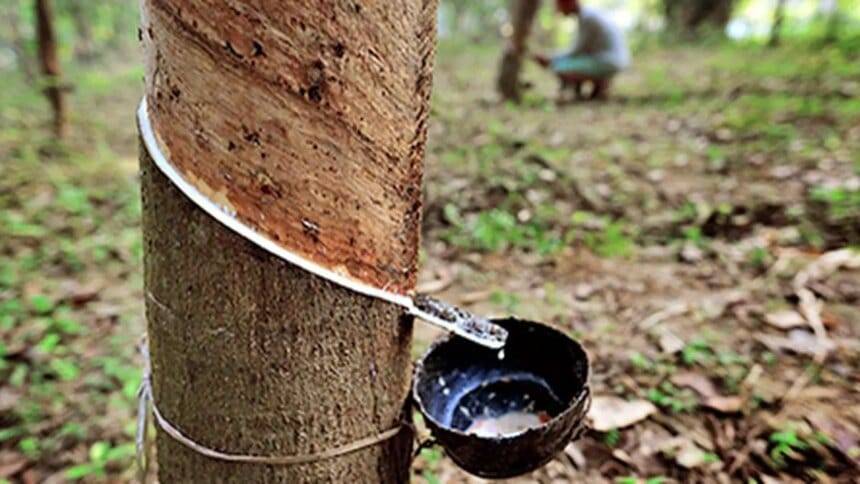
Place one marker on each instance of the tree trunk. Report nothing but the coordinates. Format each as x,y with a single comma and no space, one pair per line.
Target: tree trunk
307,120
689,17
522,17
778,20
50,64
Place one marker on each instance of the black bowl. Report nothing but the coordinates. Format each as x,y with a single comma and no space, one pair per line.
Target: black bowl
497,416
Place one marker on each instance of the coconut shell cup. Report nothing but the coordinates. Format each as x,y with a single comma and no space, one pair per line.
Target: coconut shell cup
537,387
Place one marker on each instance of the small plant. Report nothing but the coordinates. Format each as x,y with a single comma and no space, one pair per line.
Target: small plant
842,203
694,235
506,300
668,396
612,437
100,456
73,199
498,230
758,257
637,480
41,304
431,456
786,443
30,447
697,351
641,362
611,242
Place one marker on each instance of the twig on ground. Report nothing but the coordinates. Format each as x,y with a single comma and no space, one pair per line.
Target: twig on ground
672,310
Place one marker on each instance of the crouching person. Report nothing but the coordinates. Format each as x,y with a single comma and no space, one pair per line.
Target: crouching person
599,54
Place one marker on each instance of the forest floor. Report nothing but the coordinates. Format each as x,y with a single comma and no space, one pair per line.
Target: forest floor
689,232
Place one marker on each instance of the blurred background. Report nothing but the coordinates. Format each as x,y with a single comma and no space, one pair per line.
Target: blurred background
678,229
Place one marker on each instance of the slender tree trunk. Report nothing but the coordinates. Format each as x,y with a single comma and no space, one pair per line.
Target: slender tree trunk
50,64
778,20
307,119
522,17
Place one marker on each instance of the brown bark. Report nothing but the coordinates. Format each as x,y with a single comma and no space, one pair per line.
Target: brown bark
306,118
778,20
522,14
287,112
50,63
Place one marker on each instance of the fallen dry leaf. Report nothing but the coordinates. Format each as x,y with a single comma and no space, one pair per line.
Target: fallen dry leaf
608,412
706,389
8,399
670,343
685,452
690,456
798,341
843,437
787,319
730,404
698,382
11,463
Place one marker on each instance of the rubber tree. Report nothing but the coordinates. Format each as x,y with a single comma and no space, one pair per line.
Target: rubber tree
776,26
49,61
689,17
522,17
307,120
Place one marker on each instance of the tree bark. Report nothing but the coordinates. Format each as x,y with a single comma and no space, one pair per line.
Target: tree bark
778,20
50,63
522,17
307,119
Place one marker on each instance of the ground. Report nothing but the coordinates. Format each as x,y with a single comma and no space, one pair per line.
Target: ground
678,231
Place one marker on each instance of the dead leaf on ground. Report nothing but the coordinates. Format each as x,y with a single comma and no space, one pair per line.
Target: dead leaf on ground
11,463
798,341
670,343
609,412
685,452
730,404
787,319
8,399
844,437
706,389
698,382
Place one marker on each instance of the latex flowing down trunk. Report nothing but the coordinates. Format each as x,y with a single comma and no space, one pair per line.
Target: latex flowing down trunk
50,65
522,17
307,120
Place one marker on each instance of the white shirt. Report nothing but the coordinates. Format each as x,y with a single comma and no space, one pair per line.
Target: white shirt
599,37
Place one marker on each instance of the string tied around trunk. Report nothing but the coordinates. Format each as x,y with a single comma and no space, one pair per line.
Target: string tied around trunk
146,404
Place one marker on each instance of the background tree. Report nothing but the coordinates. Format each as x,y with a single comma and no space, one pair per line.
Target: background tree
778,20
50,63
522,17
689,17
309,120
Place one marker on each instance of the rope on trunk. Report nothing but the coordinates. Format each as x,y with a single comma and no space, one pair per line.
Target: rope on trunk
147,403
